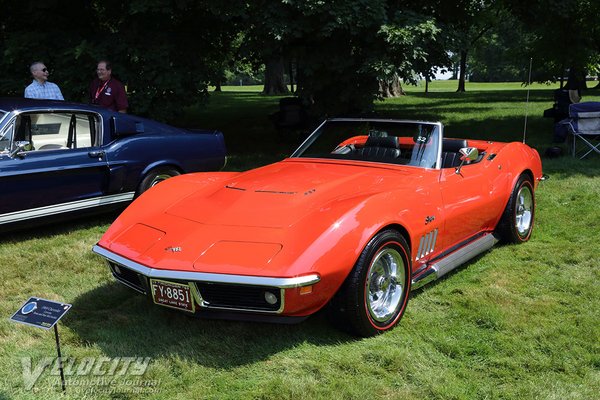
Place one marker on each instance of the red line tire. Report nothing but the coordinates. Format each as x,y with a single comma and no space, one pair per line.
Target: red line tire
374,296
516,223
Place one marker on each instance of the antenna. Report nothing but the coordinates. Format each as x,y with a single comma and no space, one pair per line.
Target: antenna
527,101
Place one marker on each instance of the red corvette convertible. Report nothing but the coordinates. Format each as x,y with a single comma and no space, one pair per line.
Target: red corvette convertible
362,213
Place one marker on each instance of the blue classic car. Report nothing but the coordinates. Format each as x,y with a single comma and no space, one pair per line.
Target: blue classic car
61,159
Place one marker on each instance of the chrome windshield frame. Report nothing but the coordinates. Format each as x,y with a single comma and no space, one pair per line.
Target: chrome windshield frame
311,138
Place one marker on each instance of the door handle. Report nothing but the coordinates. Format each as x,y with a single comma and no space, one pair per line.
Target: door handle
96,154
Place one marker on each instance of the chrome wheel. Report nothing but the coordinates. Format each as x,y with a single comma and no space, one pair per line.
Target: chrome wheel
524,211
159,178
384,287
374,296
156,176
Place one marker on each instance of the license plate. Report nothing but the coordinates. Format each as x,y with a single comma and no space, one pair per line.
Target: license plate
171,294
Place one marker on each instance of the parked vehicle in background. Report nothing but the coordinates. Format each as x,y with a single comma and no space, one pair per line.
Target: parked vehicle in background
60,159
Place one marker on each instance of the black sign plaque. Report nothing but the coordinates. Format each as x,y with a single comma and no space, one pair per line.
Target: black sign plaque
41,313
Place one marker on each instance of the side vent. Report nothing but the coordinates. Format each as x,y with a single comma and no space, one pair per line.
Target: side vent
427,244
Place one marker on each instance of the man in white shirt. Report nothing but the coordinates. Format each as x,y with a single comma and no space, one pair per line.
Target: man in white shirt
40,88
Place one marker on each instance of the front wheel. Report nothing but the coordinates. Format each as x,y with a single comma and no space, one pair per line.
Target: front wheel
516,223
374,296
155,176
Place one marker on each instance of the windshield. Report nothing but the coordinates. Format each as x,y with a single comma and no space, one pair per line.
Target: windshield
390,142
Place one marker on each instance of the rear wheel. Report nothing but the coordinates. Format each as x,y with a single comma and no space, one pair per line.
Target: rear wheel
155,176
516,223
374,296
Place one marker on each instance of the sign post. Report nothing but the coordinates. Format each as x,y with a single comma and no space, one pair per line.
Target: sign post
60,363
44,314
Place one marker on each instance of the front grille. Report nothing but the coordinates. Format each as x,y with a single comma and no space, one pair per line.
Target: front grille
238,296
127,276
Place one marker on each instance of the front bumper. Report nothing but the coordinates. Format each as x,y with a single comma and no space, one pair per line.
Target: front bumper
240,293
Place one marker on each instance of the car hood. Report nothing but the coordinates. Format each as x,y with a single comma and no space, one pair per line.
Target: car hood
275,220
278,195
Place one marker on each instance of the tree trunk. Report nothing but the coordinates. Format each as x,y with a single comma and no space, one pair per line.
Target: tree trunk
291,73
391,87
218,86
562,74
274,82
455,68
577,78
426,84
463,71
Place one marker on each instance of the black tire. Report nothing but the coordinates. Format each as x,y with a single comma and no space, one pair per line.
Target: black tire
516,223
374,296
156,176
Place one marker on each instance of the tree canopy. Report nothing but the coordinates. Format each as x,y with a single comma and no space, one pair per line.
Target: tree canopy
341,53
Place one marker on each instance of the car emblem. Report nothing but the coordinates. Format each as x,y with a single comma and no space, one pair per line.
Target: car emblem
173,249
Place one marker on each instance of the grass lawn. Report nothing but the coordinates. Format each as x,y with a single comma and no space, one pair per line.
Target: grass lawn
519,322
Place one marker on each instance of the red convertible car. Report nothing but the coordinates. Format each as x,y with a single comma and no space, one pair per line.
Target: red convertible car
361,214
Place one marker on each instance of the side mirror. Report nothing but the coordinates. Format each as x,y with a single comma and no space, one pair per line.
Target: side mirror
19,147
467,154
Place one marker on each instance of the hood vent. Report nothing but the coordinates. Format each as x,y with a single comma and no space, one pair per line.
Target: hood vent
273,191
235,188
259,190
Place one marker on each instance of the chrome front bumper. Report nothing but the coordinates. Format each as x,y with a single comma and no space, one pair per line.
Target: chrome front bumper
136,276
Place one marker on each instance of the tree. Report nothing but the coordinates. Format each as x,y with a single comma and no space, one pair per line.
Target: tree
330,44
158,48
38,32
501,55
274,76
473,20
562,35
416,45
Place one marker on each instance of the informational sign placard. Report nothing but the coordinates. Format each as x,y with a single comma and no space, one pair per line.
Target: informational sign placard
40,313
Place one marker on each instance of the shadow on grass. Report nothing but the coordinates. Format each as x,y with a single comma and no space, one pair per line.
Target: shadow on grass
126,324
46,229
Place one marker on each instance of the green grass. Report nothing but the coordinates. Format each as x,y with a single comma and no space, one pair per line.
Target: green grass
519,322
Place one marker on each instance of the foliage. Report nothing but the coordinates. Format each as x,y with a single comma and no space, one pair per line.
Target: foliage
158,48
568,36
304,32
168,51
416,44
501,55
35,32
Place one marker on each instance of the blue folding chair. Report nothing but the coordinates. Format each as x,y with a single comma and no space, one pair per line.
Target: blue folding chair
584,127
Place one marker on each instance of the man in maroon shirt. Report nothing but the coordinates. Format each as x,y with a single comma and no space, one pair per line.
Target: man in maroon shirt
107,91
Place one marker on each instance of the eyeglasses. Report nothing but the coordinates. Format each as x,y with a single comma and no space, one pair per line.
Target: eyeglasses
45,70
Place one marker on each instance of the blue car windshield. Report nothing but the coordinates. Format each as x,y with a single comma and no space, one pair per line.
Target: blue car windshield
381,141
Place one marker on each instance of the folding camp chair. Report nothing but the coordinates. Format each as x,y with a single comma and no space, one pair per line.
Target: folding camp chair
584,127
